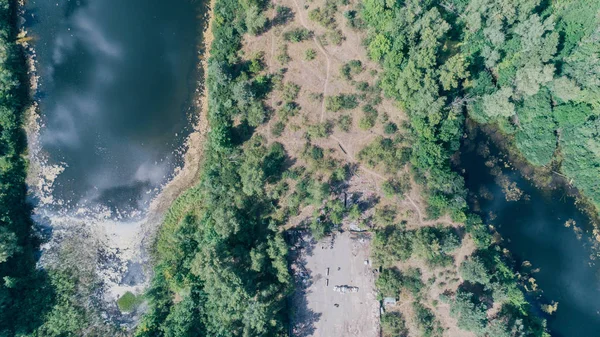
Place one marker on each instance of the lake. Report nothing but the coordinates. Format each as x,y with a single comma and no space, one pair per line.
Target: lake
533,228
117,80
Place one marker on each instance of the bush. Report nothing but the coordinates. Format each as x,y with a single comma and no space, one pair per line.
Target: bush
310,54
426,321
351,68
344,122
326,15
289,109
471,316
290,91
474,271
390,128
389,283
392,324
369,117
384,152
393,187
129,302
340,102
297,35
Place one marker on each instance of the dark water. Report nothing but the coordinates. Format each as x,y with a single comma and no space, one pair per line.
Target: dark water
534,230
117,78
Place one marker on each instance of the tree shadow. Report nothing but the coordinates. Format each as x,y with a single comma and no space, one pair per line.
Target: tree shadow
303,319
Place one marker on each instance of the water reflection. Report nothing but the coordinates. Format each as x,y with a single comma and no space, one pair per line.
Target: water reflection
540,227
116,83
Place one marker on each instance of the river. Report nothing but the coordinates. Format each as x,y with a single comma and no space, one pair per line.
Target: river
533,228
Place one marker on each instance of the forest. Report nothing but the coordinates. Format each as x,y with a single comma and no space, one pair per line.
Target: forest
531,69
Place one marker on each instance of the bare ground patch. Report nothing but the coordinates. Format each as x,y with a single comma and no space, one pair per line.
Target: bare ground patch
339,260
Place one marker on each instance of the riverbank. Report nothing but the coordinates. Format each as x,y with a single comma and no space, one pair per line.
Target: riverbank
118,247
547,178
543,232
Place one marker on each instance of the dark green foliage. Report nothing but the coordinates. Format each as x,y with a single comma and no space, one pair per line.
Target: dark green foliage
432,244
297,35
392,187
369,117
283,15
353,20
310,54
255,20
471,316
411,280
290,91
475,271
351,68
426,322
277,128
344,122
536,137
386,153
219,247
340,102
128,302
325,15
390,128
392,324
289,109
320,130
389,283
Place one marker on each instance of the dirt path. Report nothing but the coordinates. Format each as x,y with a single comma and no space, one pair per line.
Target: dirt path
324,52
416,207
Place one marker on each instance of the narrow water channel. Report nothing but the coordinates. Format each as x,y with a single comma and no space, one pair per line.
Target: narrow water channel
116,83
534,228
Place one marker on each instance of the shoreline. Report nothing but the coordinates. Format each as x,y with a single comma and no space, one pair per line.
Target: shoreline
546,178
130,241
186,176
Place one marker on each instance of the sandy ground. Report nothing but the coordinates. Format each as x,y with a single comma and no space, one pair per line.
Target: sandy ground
321,311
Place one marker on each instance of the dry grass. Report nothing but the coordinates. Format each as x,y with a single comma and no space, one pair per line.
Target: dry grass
322,76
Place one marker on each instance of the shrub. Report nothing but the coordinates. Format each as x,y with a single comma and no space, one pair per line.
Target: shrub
310,54
325,15
297,35
290,91
474,271
351,68
426,321
128,302
392,187
390,128
389,283
344,122
340,102
392,324
471,316
277,128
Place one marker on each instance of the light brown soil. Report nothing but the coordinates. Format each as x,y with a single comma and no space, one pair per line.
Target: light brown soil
315,310
324,312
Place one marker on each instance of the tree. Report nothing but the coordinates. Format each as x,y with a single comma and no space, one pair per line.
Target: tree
498,104
389,283
474,271
453,71
8,244
255,20
470,316
392,324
